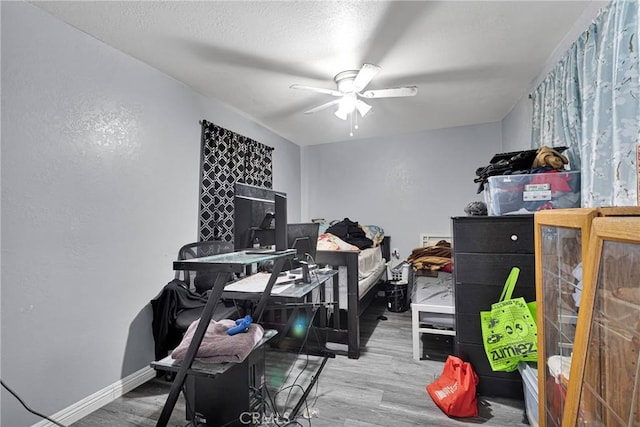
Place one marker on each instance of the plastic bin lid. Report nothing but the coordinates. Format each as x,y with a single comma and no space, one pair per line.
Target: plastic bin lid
529,374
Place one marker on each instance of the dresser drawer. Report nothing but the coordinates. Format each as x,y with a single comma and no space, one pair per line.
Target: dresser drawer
493,269
472,331
471,299
474,353
498,234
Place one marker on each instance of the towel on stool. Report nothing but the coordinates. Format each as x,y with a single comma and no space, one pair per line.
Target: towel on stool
217,346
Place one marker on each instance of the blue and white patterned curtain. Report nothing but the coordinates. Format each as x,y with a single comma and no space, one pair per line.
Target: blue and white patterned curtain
591,103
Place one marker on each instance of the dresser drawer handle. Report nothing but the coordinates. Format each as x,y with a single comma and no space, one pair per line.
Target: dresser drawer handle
514,237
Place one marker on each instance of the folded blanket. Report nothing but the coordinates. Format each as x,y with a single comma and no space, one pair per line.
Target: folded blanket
217,346
431,257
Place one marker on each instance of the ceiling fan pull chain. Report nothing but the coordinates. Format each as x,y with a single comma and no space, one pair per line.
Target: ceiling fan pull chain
351,123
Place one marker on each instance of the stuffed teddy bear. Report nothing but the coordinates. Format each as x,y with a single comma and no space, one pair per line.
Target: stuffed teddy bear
548,157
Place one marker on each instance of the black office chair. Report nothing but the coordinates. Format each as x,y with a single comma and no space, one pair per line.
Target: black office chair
182,300
202,282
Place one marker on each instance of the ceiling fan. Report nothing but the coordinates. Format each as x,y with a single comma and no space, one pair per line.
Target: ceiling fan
351,85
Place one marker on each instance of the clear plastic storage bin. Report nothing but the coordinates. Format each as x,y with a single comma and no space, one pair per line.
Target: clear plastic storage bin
529,373
527,193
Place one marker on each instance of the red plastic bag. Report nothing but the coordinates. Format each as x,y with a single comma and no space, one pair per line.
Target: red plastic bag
455,390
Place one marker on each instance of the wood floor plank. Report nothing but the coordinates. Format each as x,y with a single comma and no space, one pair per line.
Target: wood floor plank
385,387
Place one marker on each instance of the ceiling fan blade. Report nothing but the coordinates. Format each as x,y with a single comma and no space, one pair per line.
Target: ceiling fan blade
317,89
323,106
363,107
364,76
391,92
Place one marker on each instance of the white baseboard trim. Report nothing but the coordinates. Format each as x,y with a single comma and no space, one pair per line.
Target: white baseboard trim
100,398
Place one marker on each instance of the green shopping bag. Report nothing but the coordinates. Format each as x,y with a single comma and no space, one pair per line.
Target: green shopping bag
509,331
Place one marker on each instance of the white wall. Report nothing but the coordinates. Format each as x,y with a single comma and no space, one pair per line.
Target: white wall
516,127
409,184
100,161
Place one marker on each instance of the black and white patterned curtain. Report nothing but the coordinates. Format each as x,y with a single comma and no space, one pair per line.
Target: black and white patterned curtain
227,158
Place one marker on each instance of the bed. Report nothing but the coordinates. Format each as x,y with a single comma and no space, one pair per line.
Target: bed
359,273
432,301
432,308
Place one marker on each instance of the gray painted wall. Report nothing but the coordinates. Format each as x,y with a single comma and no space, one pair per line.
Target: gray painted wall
410,184
516,127
100,161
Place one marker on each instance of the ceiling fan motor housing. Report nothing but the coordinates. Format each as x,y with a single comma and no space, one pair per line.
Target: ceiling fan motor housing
345,79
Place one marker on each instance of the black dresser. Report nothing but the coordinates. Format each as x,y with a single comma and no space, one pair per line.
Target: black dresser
485,248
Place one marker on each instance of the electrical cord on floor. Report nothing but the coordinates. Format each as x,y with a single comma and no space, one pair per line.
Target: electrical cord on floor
27,407
313,274
306,336
315,399
306,405
270,404
295,381
274,408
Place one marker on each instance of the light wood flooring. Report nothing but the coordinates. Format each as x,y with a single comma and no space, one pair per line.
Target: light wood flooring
384,387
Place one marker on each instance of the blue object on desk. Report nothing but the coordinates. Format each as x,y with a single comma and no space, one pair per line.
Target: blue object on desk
242,325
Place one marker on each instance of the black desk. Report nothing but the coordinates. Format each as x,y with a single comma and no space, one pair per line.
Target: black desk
290,304
220,393
229,263
287,303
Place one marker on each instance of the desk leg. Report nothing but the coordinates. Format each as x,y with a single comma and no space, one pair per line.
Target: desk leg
295,411
336,299
262,303
178,382
323,308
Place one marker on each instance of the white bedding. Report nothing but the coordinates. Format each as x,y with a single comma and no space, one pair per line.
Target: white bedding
368,262
435,291
370,265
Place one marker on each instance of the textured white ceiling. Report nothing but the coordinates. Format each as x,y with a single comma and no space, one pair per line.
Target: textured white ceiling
471,61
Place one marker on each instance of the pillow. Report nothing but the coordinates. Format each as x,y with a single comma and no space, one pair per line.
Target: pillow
322,227
373,232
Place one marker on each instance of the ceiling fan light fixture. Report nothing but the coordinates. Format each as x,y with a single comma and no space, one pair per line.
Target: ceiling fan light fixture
348,102
342,113
346,106
363,108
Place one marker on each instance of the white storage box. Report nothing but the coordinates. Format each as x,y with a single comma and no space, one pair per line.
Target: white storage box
529,374
401,273
527,193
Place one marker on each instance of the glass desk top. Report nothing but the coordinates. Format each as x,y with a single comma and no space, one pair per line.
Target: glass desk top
293,288
241,257
232,261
